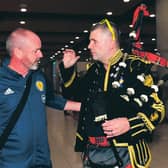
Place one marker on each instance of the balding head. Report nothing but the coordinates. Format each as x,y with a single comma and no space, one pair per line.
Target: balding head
19,39
24,47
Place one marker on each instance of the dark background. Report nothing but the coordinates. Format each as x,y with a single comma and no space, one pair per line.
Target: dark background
58,22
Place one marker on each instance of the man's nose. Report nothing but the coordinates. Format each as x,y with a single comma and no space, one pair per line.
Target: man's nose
89,45
40,54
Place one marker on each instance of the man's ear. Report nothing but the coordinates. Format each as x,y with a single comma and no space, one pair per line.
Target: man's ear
17,52
112,44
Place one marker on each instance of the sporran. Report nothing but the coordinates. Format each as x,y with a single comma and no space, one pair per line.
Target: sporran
104,157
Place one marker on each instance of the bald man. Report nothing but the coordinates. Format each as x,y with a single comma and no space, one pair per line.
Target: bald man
27,145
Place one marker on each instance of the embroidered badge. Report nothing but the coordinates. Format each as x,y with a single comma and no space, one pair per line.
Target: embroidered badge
39,85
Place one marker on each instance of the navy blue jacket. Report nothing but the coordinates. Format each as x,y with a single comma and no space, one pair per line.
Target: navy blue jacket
27,145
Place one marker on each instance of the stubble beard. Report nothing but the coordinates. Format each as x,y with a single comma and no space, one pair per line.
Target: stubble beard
34,66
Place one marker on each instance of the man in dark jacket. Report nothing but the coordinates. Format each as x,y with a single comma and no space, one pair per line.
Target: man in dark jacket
120,104
27,145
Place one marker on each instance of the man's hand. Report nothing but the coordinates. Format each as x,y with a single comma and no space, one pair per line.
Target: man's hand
69,58
116,127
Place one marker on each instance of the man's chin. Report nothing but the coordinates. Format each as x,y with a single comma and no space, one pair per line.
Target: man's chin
94,58
34,67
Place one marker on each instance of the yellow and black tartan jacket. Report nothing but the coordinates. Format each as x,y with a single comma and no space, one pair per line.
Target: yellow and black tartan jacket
128,91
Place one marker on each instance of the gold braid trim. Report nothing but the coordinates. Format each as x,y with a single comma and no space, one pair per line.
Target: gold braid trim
68,83
130,149
145,150
156,98
138,125
133,118
78,135
133,158
113,60
139,154
135,58
142,147
139,132
147,122
148,80
159,107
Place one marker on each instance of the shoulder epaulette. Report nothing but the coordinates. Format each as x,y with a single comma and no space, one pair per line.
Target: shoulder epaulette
137,63
137,58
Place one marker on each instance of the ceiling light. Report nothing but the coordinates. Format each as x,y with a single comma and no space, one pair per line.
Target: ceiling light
22,22
153,39
152,15
52,57
109,13
77,37
23,7
85,31
66,46
71,42
126,1
23,10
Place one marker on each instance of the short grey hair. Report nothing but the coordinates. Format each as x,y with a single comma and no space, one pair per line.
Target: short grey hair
16,39
103,25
